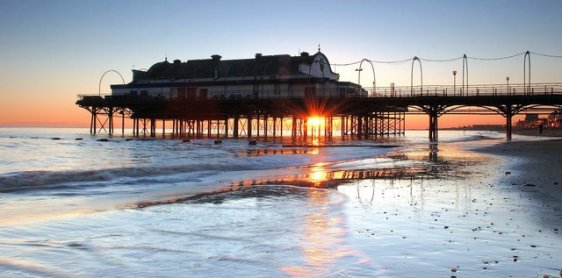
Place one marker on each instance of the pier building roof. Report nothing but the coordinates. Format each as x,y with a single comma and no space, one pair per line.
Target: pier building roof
270,66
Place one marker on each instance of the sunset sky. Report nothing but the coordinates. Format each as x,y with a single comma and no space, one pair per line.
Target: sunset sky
50,51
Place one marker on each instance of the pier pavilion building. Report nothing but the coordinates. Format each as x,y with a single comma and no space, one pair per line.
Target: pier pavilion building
267,96
264,76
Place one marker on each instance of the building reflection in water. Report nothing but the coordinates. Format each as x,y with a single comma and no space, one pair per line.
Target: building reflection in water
433,153
409,194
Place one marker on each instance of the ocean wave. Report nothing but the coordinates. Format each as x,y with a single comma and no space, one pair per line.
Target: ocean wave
30,180
476,137
164,170
222,195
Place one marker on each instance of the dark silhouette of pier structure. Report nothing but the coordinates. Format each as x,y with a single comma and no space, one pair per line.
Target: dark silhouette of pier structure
262,116
266,115
323,111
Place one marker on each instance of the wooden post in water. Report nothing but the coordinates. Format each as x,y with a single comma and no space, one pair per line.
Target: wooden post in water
508,126
235,126
295,127
249,133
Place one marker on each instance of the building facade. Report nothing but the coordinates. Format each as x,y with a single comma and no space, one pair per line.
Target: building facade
273,76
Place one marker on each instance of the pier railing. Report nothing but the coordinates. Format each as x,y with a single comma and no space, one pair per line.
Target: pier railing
378,92
467,91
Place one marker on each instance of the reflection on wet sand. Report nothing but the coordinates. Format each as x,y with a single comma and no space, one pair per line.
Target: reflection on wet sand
323,242
326,175
412,192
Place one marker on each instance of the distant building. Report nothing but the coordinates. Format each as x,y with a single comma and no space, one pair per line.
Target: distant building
555,119
533,121
275,76
487,127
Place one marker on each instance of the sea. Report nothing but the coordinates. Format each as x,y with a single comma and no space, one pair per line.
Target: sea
77,205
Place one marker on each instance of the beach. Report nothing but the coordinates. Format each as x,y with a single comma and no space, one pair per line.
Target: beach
533,165
495,212
470,206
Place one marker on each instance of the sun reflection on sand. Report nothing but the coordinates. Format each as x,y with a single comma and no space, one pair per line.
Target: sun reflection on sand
323,241
318,174
323,245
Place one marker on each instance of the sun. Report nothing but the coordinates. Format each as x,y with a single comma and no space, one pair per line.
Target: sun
315,121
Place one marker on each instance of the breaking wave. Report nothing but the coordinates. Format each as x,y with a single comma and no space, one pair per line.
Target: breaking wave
30,180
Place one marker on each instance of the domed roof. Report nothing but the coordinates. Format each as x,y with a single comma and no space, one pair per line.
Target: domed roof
158,69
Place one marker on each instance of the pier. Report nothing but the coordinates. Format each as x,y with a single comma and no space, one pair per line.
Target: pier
263,116
324,114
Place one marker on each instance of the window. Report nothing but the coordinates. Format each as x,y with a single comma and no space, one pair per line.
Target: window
309,92
341,92
191,92
203,93
181,93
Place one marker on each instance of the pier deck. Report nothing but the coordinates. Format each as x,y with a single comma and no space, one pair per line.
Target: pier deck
266,115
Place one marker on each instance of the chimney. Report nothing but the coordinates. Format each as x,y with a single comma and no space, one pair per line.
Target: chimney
258,55
304,54
177,61
216,57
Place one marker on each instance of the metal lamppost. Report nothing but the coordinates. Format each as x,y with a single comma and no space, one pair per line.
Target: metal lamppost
359,75
507,80
454,82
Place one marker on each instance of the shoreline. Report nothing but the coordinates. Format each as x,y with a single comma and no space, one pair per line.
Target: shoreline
422,209
531,164
490,214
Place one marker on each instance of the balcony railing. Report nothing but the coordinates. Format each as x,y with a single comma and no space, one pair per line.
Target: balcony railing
378,92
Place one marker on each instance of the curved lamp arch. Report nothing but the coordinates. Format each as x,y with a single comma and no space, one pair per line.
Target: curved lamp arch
465,65
374,74
412,75
527,85
103,75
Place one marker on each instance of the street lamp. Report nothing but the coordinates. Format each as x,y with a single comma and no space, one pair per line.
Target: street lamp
359,75
454,82
507,79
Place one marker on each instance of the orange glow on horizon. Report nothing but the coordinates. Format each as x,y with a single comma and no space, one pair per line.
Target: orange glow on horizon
62,111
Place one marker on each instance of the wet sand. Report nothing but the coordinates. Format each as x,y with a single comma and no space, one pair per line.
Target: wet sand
423,210
495,211
547,132
533,164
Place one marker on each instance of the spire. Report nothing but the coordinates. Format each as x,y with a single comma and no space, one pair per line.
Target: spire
318,47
